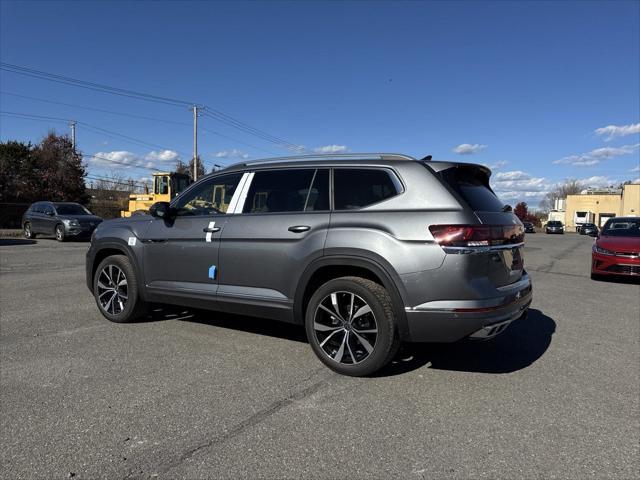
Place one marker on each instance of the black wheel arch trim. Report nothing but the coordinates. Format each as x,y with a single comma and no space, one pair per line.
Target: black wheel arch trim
390,281
122,246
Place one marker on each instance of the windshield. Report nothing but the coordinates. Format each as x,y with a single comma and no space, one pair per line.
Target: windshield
554,223
622,227
71,209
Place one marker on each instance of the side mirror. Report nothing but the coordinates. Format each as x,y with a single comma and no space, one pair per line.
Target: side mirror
161,210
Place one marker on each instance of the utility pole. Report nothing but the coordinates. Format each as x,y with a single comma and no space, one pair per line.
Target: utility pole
72,124
195,142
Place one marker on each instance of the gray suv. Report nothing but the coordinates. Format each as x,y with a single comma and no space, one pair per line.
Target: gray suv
365,251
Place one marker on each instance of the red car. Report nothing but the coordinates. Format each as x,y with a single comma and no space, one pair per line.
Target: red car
616,251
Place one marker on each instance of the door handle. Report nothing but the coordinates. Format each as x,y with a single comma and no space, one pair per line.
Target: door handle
211,230
299,228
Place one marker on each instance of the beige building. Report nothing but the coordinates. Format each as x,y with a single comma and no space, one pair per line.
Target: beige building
597,207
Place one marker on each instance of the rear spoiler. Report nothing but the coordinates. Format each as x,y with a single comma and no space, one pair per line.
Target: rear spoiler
440,166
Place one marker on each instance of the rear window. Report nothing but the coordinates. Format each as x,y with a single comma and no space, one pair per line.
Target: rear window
472,184
361,187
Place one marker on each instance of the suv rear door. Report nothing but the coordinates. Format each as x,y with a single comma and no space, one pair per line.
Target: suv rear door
281,227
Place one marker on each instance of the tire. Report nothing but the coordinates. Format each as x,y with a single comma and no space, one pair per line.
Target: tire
59,233
104,280
28,232
327,334
596,277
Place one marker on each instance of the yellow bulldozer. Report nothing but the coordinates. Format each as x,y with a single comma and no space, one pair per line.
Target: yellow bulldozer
165,187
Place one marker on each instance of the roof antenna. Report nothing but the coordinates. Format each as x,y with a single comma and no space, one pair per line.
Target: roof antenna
427,158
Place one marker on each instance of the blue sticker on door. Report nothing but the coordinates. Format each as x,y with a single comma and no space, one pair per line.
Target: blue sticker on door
212,272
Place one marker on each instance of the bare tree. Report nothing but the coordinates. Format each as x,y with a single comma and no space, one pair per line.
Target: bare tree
569,187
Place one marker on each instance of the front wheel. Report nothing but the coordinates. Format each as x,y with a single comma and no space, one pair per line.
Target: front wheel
351,326
60,235
115,288
28,232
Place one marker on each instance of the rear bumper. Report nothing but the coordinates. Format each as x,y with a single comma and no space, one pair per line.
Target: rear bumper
452,320
614,265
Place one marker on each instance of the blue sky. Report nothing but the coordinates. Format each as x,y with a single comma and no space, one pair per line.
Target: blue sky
523,87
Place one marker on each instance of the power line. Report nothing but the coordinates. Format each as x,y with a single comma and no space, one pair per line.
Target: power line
142,117
30,72
117,182
221,117
29,116
212,112
91,127
131,115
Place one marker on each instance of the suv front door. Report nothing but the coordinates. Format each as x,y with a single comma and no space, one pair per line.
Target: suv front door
181,255
282,227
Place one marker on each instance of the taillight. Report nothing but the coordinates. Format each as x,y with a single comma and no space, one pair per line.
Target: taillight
477,235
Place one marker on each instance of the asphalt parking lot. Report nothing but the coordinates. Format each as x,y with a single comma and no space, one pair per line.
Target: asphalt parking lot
207,395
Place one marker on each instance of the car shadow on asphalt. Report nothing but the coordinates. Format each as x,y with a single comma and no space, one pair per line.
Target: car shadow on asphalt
522,344
255,325
16,241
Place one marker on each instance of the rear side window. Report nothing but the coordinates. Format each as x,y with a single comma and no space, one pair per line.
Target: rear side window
295,190
472,184
358,188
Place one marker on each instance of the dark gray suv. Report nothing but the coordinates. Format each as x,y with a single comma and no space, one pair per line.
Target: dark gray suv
365,250
61,219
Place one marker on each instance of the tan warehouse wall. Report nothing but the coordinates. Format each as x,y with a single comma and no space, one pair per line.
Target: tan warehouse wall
627,204
598,204
631,200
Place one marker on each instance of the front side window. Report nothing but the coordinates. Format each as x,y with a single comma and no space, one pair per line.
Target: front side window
210,197
296,190
358,188
48,210
162,185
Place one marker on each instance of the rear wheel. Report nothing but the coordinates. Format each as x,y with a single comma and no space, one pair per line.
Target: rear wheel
60,235
28,232
351,326
115,288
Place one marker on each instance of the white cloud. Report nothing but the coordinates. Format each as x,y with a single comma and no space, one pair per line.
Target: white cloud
514,175
636,169
614,131
115,160
596,156
518,185
163,156
468,148
597,181
119,159
331,149
233,153
498,165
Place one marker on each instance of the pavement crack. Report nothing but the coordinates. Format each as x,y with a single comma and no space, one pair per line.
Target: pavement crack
246,424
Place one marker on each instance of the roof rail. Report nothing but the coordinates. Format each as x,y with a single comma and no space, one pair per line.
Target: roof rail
328,156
